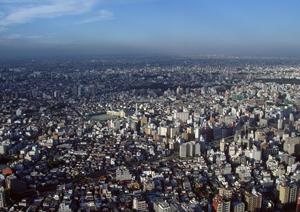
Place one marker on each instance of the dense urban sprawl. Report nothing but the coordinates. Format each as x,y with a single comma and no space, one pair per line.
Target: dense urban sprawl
157,135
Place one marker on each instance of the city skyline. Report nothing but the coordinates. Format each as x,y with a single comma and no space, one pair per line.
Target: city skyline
157,27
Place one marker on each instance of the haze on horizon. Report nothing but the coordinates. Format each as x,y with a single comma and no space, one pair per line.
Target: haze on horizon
31,28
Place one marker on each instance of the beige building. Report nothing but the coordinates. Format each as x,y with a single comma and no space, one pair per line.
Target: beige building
284,192
253,201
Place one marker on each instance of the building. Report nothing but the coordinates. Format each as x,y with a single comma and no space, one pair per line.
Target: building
198,149
63,207
182,116
290,143
222,145
183,150
238,206
284,193
18,112
14,184
173,132
163,131
123,174
161,207
2,197
280,124
221,205
293,193
190,148
253,201
4,147
140,205
197,131
298,203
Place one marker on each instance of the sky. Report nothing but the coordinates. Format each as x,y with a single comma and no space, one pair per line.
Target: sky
170,27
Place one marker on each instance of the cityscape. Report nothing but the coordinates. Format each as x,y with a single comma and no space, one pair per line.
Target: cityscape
128,122
174,135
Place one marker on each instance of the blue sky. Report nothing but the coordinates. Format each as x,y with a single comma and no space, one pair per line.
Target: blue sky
187,27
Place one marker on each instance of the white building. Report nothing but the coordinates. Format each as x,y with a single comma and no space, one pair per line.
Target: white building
182,116
162,207
122,173
197,149
183,150
139,205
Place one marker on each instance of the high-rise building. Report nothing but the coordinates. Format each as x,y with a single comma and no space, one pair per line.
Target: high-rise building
253,201
280,124
190,148
183,150
238,206
293,193
298,203
79,90
173,132
284,193
291,118
197,149
222,145
221,205
256,154
2,197
197,131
